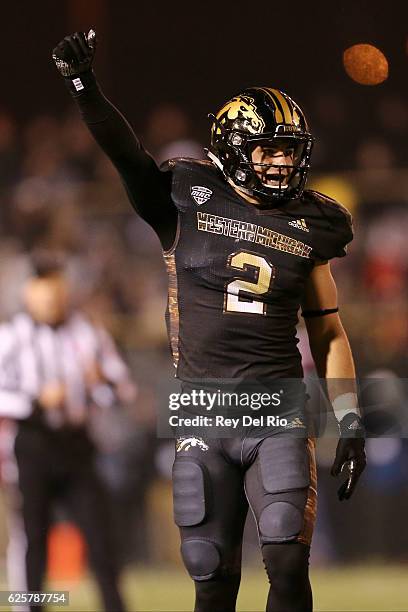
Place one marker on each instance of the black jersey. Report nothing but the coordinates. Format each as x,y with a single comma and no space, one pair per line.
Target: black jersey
237,274
236,271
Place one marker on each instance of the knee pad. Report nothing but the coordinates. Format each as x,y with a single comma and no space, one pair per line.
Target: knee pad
280,521
189,503
201,558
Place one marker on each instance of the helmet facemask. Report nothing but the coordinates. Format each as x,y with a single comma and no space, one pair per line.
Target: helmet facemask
264,178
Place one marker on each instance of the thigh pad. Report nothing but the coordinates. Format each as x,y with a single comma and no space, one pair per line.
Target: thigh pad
189,503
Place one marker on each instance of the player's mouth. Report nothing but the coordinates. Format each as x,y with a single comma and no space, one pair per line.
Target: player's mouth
275,178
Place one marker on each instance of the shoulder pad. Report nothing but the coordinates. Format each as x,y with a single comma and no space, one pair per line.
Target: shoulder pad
186,172
338,221
325,200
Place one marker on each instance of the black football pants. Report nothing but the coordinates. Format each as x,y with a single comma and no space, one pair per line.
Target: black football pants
59,465
214,481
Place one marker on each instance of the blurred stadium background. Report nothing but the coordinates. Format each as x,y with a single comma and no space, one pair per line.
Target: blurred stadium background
166,66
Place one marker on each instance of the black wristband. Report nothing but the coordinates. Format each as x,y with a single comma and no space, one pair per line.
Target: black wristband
78,84
308,314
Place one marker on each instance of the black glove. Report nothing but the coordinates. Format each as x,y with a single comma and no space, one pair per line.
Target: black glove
350,454
74,54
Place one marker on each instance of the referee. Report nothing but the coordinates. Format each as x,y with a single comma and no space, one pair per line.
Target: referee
54,367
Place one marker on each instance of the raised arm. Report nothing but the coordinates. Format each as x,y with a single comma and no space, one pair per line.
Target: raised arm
148,188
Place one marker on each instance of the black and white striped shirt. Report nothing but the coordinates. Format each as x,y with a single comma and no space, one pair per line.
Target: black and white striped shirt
34,355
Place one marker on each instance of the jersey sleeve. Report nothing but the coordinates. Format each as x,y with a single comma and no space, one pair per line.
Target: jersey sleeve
148,188
335,227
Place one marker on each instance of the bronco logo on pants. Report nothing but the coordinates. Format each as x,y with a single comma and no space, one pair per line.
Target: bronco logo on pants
187,443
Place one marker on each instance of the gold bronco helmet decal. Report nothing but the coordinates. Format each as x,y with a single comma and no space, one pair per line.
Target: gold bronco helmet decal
241,109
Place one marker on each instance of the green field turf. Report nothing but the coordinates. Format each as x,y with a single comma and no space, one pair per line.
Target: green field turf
362,588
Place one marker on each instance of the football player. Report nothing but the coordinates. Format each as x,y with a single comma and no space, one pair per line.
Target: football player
245,247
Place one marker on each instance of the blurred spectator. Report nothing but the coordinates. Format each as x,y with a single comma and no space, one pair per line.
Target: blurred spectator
167,134
375,155
393,113
79,149
8,151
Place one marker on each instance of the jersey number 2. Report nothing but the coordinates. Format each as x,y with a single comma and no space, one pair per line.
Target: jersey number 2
238,291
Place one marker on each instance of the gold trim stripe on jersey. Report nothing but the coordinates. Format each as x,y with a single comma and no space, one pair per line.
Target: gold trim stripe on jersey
309,515
173,307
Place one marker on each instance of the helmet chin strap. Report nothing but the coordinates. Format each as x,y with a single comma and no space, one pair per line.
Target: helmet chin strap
215,159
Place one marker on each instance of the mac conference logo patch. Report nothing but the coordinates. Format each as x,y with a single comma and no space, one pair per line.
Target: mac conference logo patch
200,194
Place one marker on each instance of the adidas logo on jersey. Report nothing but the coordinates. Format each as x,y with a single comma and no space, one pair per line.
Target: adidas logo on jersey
299,224
201,194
